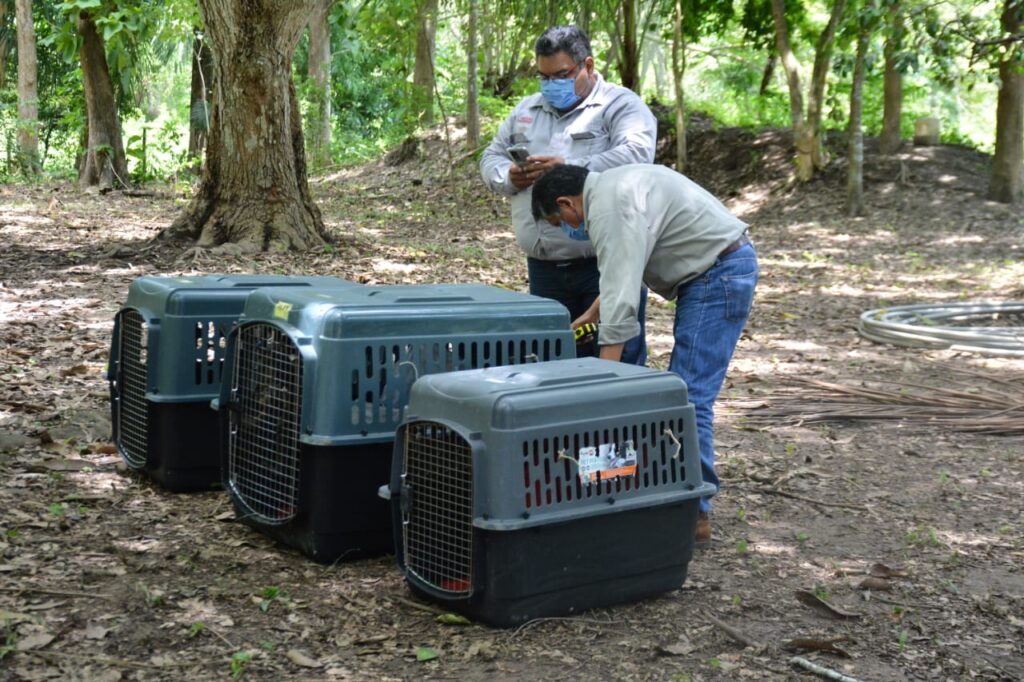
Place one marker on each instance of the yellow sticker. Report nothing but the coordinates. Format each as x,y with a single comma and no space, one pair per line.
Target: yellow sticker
282,309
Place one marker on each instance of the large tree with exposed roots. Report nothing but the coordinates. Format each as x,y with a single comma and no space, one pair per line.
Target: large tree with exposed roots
254,191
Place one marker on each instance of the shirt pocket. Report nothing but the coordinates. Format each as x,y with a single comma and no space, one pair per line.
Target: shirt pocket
589,141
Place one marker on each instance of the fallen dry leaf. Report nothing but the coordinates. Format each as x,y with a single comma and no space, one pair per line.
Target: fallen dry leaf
77,370
821,606
879,570
36,641
816,644
681,647
873,583
94,631
299,658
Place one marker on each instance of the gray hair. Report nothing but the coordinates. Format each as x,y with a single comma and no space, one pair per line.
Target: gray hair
568,39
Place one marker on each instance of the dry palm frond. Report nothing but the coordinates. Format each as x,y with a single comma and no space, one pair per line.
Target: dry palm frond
978,403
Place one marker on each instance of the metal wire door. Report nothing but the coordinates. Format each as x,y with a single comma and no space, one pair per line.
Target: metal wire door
263,441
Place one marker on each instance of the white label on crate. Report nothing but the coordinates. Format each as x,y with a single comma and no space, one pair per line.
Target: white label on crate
608,460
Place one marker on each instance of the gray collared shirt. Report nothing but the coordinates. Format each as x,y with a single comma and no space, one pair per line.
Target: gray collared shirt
611,127
649,223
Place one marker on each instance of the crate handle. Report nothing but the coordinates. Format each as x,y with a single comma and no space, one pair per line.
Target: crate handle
433,299
557,381
675,441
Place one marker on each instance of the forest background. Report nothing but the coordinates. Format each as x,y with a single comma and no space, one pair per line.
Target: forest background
370,73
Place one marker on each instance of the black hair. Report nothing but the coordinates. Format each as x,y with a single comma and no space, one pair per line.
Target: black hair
568,39
560,181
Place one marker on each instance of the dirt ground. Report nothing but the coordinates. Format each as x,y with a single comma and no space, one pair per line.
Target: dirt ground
912,534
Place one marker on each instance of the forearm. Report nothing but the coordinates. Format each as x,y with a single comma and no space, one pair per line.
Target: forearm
612,352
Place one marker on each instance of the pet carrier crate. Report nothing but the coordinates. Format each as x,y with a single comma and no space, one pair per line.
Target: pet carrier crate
547,489
166,361
317,383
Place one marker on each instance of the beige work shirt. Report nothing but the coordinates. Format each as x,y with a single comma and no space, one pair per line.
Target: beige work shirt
611,127
651,224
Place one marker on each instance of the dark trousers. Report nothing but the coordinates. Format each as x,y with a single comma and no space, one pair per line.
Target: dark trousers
576,284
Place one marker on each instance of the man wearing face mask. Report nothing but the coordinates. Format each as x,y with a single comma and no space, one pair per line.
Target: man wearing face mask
577,118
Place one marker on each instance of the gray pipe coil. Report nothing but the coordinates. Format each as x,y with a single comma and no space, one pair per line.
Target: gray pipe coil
927,326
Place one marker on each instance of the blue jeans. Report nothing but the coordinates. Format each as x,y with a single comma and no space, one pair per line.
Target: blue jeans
711,311
576,284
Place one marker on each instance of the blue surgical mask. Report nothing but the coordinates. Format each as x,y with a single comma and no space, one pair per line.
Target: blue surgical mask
560,92
577,233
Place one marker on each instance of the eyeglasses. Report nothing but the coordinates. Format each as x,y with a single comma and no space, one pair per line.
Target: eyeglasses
564,73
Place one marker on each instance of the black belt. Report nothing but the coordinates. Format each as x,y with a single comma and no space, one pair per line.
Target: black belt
574,262
740,242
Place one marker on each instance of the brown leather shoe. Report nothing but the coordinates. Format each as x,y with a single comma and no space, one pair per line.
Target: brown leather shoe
702,536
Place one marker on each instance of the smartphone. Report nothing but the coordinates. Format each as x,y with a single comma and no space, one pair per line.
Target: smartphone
519,154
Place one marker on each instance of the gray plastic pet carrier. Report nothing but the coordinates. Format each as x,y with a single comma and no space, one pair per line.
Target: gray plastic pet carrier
545,489
317,382
166,362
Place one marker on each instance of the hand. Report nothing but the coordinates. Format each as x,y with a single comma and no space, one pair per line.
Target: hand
519,176
591,315
536,166
541,164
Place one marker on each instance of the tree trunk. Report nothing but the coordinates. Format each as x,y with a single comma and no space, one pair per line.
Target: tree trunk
1008,161
423,68
201,94
254,191
678,71
816,98
28,96
629,58
3,43
892,101
855,154
583,16
803,135
320,75
104,163
768,74
472,101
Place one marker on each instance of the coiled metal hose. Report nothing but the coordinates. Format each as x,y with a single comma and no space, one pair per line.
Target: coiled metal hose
953,326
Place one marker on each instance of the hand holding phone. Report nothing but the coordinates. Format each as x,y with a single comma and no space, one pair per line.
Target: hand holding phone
519,153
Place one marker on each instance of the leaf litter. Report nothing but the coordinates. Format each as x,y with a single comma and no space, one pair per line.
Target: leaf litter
170,582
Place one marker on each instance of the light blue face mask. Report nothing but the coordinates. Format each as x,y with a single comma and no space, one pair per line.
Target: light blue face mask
578,233
560,92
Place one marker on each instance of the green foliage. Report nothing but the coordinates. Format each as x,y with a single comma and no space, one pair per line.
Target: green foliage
425,653
239,660
945,51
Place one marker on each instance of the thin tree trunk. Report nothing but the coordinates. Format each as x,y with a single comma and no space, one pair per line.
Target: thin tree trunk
892,100
201,92
255,191
472,101
28,96
629,58
320,75
423,69
1007,183
768,74
4,8
855,154
802,133
104,164
819,74
583,17
678,71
